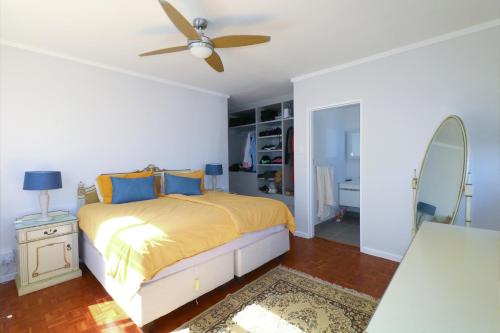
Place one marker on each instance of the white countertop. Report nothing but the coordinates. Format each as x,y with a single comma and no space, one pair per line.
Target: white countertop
448,282
352,185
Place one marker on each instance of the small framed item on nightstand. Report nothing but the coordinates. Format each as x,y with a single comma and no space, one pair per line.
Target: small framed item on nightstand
47,251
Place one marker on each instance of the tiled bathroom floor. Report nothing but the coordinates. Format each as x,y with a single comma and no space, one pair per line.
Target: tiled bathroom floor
346,232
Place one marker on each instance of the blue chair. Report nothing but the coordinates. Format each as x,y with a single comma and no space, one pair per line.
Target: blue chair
424,209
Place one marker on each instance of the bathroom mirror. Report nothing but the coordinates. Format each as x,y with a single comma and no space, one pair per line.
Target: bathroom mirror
353,145
441,183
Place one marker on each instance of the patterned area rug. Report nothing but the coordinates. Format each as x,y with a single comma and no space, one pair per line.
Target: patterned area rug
284,300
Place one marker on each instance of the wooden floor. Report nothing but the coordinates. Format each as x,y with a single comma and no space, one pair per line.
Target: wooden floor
82,305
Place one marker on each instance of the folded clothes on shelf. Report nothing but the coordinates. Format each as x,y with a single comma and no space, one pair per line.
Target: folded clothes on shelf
265,160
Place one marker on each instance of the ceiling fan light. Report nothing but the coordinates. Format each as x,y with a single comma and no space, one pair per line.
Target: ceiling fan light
200,50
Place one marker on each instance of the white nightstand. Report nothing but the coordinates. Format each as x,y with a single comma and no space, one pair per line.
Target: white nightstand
47,252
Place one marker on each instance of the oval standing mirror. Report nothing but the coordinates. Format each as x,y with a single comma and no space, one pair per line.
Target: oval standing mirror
440,185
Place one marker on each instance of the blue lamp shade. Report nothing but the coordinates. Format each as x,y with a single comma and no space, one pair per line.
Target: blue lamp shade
213,169
42,180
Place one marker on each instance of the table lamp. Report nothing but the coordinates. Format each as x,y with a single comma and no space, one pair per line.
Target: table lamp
214,170
42,181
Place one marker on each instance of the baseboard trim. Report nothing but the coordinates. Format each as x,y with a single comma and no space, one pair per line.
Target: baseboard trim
381,254
301,234
7,277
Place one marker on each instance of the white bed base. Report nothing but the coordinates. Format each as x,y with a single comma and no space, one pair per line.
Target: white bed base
159,297
250,257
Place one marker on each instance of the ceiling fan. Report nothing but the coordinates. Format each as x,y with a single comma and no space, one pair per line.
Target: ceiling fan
200,45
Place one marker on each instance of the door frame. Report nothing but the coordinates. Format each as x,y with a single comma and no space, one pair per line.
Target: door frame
310,167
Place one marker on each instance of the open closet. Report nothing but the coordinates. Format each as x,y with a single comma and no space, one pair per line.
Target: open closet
261,152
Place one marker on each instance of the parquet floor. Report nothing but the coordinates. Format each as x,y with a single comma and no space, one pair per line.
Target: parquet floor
82,305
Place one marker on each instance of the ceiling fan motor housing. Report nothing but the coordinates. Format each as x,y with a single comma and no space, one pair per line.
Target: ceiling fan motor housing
200,23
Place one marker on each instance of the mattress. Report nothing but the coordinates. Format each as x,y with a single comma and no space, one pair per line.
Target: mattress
93,258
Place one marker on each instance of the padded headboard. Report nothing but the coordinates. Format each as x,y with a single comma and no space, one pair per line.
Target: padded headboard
88,194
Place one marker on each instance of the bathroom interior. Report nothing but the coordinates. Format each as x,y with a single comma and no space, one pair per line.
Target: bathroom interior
336,180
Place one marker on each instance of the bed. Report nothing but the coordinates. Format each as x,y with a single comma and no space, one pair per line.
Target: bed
183,280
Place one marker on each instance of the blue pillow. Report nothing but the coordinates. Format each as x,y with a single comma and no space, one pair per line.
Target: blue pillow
133,189
182,185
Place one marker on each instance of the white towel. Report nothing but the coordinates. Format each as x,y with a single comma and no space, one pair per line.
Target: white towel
326,198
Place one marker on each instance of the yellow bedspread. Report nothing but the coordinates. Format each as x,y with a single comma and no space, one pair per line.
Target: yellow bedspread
139,239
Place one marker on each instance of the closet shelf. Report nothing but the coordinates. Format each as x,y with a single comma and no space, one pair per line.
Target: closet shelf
289,118
269,136
270,164
269,122
242,126
269,151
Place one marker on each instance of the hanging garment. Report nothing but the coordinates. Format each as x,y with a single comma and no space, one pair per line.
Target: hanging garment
289,146
289,156
253,150
326,198
249,152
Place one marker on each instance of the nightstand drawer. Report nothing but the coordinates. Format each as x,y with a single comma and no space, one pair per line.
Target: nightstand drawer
49,232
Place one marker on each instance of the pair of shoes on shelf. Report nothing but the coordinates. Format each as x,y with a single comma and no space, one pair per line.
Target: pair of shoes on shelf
264,189
269,189
277,160
267,175
272,131
268,147
272,147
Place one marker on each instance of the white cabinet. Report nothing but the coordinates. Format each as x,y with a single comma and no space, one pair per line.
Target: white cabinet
49,257
349,194
47,252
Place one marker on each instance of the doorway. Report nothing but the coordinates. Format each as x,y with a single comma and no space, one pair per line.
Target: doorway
335,173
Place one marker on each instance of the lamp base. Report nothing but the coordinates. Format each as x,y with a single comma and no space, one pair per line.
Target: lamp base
44,205
214,183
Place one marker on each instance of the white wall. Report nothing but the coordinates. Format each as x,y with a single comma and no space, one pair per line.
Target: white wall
82,120
404,98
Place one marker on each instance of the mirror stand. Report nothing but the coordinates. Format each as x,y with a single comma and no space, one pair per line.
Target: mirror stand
468,191
414,183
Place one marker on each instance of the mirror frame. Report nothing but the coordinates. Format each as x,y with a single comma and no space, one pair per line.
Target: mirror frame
464,173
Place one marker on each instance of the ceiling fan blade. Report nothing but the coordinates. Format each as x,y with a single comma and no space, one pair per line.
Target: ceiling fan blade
162,51
215,62
239,40
179,21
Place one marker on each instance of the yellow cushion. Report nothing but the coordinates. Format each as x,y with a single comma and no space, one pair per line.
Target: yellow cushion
106,187
191,174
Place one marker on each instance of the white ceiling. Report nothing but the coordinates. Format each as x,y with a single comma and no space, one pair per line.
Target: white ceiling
307,35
